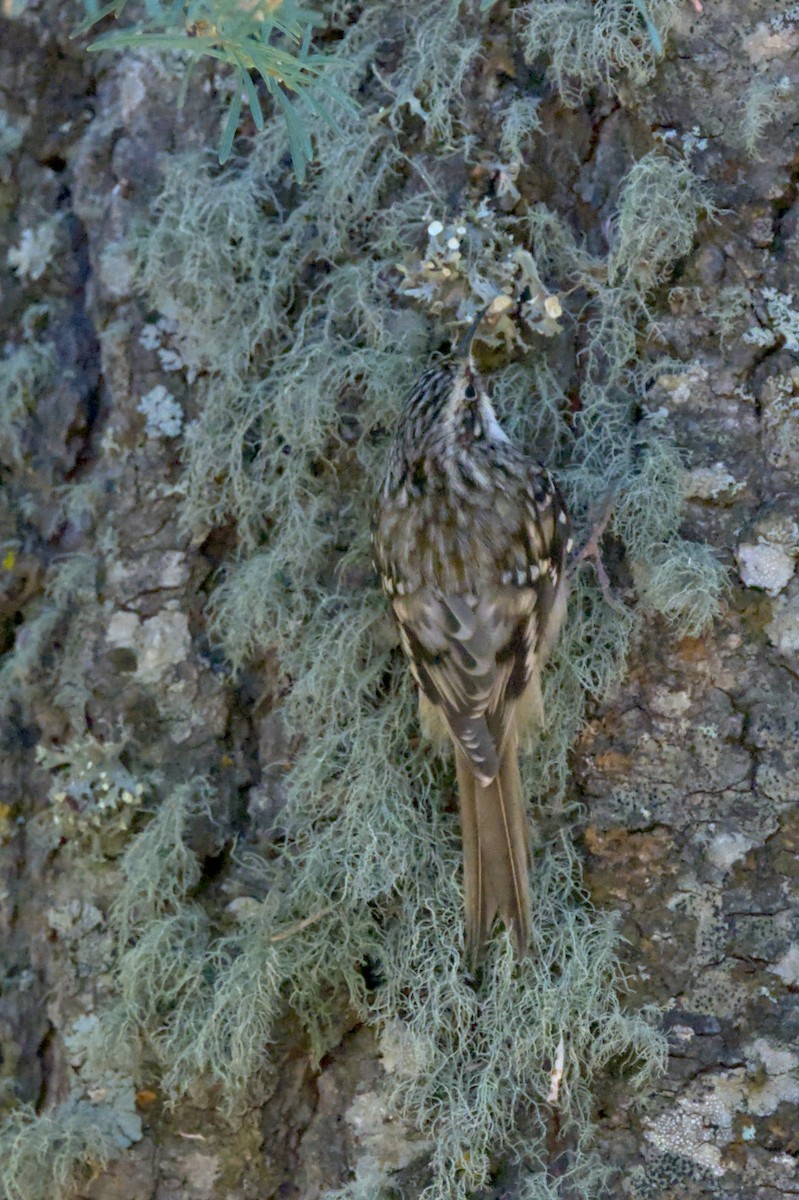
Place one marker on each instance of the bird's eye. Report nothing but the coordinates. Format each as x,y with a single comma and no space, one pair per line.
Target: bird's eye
470,393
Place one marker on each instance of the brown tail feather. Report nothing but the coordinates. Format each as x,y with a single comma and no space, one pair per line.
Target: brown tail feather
495,853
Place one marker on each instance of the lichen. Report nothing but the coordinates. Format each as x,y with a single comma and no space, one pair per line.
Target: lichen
92,795
48,1156
35,251
520,119
162,413
369,867
291,312
67,607
764,101
783,322
588,44
11,136
567,989
24,370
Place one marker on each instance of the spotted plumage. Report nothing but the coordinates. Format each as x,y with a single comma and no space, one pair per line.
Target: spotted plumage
470,540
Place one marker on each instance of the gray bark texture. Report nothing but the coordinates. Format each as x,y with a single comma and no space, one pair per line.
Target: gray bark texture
229,869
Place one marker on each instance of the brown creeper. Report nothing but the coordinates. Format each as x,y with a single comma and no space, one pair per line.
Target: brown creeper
470,539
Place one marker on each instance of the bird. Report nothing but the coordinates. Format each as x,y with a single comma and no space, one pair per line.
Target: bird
470,540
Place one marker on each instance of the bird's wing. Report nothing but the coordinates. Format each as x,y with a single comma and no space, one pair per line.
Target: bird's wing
475,655
546,534
470,656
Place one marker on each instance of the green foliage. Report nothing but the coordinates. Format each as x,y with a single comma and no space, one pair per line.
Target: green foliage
271,40
221,259
589,43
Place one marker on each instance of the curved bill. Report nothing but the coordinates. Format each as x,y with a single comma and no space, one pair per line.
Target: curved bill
464,346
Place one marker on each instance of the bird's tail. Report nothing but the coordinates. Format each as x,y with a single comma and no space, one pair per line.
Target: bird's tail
496,855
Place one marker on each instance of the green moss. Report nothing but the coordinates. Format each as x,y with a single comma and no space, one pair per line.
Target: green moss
207,1006
660,202
589,659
